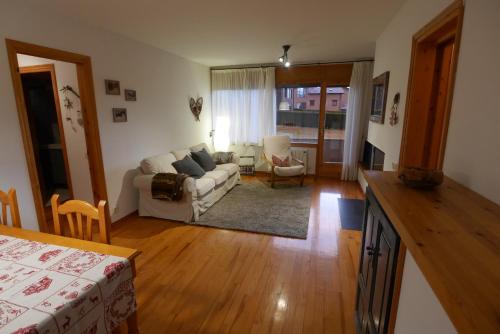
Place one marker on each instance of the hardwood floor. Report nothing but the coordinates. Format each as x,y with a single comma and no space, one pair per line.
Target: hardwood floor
193,279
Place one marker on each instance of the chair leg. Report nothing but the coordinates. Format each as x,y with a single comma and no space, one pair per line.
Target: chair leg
132,324
302,180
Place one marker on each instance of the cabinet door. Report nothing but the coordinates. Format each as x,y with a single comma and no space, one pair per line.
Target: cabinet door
366,266
385,256
370,235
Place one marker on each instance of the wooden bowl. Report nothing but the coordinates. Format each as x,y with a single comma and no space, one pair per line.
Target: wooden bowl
420,178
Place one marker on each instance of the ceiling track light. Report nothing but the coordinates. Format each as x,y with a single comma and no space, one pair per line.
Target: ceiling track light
284,58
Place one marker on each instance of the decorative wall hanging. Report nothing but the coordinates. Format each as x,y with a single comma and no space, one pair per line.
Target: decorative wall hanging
130,95
393,120
112,87
379,98
68,105
196,107
119,115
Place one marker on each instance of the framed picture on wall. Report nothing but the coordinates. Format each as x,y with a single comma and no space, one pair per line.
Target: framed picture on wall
130,95
112,87
119,115
379,98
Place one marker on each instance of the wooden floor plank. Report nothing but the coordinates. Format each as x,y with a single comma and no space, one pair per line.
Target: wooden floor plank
193,279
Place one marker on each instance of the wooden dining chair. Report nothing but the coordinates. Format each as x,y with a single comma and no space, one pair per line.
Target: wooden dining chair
9,199
75,212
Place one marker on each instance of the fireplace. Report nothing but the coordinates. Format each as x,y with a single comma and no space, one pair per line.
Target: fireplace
373,157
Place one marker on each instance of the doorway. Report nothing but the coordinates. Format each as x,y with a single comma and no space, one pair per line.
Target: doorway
40,183
47,131
332,129
430,91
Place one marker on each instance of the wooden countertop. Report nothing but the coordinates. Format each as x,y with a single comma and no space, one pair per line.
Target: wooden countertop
454,235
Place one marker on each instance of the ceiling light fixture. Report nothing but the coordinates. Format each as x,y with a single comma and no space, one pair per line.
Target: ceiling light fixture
284,58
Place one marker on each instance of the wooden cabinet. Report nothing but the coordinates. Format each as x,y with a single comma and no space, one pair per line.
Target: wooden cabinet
377,269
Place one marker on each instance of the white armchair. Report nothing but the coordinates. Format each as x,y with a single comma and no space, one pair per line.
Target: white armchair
280,147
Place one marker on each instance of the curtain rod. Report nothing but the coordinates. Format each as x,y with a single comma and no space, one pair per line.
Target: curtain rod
237,67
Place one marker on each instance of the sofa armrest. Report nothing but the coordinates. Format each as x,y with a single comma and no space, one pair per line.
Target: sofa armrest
143,182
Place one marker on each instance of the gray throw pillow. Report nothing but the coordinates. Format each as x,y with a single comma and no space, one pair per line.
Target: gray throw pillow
204,160
188,166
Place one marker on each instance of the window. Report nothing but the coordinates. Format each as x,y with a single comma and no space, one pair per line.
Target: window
294,117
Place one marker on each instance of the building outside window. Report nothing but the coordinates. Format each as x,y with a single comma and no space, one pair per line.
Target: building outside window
298,114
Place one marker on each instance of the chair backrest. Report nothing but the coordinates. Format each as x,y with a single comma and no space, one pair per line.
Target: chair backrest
9,199
80,216
277,145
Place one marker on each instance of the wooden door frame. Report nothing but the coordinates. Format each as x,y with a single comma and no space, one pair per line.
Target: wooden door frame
89,114
447,25
55,91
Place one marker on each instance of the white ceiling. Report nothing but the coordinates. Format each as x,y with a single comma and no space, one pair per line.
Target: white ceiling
232,32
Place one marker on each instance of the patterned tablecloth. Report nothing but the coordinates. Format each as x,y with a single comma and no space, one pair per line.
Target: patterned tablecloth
52,289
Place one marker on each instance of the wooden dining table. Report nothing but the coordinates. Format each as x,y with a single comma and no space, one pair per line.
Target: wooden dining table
58,283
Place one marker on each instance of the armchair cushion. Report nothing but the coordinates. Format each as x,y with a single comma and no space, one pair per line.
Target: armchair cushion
277,145
277,161
289,171
203,159
189,166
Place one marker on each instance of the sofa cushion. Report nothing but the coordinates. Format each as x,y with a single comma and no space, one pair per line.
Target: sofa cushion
230,168
199,147
289,171
203,159
158,164
189,166
219,176
204,185
180,154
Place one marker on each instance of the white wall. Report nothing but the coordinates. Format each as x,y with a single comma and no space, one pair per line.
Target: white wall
158,122
74,134
419,309
471,157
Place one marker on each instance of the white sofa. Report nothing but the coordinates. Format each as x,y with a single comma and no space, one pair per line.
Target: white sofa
199,194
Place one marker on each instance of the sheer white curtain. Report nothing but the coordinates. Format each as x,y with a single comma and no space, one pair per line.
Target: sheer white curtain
243,106
358,110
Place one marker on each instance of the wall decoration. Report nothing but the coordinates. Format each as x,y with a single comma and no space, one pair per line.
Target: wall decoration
119,115
393,120
69,105
379,98
112,87
196,107
130,95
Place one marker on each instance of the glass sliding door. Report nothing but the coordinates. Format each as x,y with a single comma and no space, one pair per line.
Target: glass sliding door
331,140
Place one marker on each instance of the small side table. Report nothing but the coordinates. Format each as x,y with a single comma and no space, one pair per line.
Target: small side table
248,169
